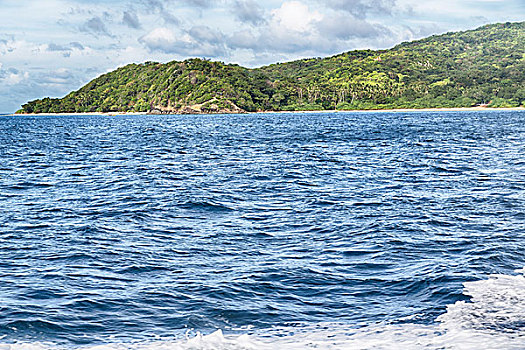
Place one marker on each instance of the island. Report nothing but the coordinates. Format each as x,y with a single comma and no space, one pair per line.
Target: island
484,67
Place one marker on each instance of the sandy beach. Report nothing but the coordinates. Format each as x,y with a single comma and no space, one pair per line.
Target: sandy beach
471,109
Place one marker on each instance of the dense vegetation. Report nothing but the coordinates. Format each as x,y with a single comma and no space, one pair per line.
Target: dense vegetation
485,66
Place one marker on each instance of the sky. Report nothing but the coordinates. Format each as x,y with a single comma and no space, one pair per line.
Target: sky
52,47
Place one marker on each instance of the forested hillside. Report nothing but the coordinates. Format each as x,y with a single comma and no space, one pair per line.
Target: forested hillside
485,66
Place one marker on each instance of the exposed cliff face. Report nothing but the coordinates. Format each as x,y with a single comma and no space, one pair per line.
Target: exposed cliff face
485,66
213,106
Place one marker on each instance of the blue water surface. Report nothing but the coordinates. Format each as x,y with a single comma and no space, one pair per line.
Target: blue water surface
134,227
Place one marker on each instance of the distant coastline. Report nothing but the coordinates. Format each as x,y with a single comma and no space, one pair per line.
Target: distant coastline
464,109
481,67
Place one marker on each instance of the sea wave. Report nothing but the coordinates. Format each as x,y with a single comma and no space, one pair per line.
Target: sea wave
494,318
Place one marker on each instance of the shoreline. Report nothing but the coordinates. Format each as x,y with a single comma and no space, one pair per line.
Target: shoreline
399,110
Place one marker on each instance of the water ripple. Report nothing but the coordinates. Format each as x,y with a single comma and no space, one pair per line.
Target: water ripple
135,227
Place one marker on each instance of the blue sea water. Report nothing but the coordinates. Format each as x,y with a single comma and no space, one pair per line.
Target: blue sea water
328,230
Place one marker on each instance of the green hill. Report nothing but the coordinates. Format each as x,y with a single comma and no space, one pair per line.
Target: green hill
485,66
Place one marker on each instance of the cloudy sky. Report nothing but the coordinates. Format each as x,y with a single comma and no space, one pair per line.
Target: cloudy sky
50,47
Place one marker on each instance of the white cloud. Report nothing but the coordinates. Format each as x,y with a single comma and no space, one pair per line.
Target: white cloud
199,41
294,15
248,11
15,78
296,29
159,38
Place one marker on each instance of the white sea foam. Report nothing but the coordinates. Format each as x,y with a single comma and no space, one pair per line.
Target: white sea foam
214,341
493,319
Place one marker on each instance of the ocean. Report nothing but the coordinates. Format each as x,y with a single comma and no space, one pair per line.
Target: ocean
363,230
